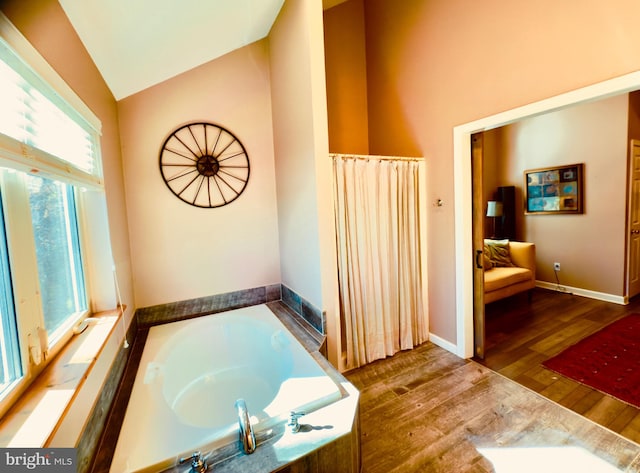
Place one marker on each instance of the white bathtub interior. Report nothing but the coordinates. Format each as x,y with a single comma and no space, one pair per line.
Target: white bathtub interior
191,373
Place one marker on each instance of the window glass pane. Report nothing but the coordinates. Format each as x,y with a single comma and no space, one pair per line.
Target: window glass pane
11,368
57,249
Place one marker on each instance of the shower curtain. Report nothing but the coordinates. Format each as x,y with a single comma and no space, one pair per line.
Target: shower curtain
376,203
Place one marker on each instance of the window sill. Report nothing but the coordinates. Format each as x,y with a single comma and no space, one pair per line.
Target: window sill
35,417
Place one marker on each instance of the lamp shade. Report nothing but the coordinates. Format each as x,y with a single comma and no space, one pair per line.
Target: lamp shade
494,209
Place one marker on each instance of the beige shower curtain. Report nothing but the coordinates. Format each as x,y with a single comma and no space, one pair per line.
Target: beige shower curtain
376,204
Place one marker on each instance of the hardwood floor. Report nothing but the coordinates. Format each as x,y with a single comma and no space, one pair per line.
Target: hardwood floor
520,336
426,410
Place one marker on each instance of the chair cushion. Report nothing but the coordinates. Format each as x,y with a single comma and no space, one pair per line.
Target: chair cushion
497,278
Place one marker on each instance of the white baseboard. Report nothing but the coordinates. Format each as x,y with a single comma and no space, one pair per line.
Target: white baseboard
442,343
601,296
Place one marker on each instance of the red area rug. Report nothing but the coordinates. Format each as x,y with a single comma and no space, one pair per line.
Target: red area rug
608,360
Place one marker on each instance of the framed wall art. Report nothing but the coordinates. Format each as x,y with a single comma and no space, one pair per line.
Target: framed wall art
554,190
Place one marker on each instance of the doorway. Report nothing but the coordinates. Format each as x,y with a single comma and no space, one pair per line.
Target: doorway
463,178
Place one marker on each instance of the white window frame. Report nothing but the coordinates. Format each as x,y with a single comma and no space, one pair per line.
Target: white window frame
97,258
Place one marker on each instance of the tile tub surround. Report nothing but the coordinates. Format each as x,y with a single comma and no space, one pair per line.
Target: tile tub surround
329,443
306,310
97,423
193,371
107,444
329,439
174,311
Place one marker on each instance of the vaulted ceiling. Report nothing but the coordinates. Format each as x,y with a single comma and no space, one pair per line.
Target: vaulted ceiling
137,44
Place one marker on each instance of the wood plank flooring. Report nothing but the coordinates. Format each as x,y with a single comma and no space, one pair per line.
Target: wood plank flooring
521,335
426,410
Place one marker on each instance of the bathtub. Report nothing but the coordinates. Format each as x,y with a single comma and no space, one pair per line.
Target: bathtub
191,373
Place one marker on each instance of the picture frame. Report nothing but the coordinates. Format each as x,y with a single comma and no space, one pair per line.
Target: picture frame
554,190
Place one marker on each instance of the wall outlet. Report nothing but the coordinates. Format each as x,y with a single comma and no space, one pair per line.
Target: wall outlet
556,266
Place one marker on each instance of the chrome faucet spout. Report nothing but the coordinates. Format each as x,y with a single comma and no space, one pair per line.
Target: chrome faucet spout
247,438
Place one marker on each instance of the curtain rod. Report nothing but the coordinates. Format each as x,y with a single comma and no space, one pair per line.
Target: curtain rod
375,157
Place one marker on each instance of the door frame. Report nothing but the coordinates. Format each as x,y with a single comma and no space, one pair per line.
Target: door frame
463,202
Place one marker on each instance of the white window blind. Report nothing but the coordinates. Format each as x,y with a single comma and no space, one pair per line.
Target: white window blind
39,130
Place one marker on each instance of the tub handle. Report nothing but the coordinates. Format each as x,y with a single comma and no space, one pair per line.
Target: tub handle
198,465
293,424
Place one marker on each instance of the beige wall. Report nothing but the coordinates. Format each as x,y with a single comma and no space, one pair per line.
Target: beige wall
436,64
294,150
346,68
303,169
591,246
180,251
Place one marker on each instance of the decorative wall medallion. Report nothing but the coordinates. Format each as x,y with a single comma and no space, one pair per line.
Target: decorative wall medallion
204,165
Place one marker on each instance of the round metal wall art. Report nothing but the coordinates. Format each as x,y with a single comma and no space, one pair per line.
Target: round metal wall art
204,165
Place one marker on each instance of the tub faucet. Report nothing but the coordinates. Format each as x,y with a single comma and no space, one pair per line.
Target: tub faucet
198,465
247,438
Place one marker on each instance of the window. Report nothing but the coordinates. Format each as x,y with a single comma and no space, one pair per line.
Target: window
49,157
57,246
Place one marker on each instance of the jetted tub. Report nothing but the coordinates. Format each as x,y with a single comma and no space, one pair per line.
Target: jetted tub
191,373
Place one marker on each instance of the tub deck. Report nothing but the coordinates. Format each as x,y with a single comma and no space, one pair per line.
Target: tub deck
276,447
